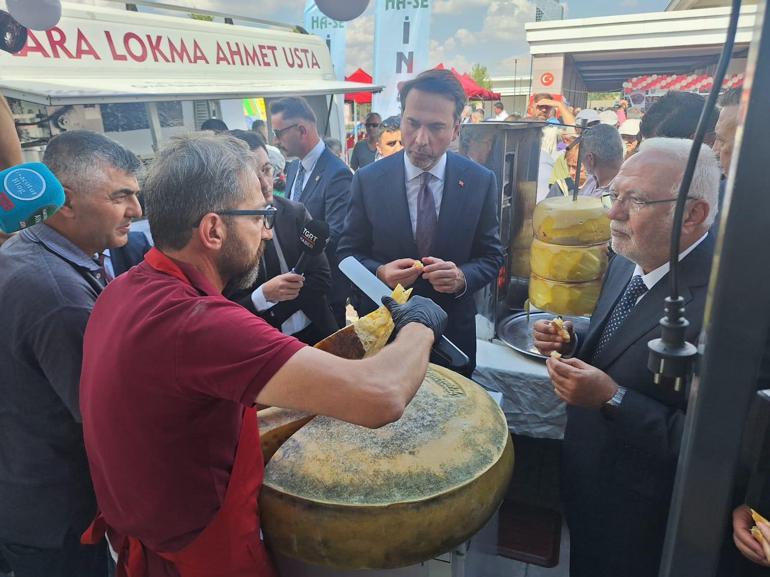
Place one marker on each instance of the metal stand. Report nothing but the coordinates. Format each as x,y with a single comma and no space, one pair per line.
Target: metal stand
735,327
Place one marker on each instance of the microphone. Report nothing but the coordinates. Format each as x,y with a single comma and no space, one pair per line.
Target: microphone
312,242
29,194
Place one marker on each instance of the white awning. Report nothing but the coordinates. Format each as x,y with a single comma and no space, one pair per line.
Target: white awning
54,92
101,55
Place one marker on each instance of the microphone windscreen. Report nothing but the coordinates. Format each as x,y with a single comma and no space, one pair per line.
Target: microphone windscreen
29,194
314,237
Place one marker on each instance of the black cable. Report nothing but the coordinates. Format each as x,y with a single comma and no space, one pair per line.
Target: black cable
700,132
671,357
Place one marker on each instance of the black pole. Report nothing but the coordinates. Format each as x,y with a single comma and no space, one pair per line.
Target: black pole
736,323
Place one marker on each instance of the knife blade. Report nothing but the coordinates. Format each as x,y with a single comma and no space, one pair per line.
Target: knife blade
375,289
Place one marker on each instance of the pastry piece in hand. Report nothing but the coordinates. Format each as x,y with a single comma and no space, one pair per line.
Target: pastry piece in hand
558,322
418,264
758,535
366,336
555,355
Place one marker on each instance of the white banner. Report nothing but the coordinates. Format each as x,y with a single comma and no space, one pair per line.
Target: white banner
331,31
401,45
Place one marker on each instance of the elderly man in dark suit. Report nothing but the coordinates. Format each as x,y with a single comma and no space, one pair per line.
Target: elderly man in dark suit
623,431
294,304
428,217
317,179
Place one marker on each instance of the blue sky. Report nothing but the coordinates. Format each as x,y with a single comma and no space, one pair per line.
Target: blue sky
463,32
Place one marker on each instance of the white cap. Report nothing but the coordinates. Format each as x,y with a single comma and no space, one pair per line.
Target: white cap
609,117
630,127
589,115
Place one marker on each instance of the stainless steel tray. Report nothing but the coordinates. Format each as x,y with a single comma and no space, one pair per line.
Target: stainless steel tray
516,331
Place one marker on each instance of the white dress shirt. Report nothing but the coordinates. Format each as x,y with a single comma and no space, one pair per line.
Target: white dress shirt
308,163
436,186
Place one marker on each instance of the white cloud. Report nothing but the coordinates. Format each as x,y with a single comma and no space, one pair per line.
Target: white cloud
440,54
458,6
360,44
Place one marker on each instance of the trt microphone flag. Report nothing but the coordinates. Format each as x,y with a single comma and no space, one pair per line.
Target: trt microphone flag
401,46
333,32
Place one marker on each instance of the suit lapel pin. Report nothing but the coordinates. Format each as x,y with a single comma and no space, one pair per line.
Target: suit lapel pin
317,177
461,183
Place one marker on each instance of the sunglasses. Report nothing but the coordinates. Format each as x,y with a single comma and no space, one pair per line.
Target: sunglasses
372,125
268,214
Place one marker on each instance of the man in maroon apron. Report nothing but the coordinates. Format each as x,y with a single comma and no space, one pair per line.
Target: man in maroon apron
172,370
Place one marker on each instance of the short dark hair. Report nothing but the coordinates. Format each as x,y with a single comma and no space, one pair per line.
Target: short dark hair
731,97
675,115
77,157
372,115
390,124
499,105
258,124
253,139
190,177
293,107
214,124
440,82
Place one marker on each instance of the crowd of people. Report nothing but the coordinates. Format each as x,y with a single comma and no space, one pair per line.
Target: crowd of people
130,372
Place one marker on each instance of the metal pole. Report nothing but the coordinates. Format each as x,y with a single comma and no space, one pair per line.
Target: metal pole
735,327
154,121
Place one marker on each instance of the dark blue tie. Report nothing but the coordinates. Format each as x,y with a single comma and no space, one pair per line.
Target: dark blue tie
634,290
296,191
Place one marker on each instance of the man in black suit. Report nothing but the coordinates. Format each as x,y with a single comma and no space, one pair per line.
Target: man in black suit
623,433
294,304
429,207
317,179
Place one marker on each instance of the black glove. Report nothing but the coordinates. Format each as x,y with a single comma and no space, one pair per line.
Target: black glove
417,310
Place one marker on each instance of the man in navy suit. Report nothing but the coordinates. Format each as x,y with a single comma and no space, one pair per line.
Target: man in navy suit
131,254
428,217
317,179
623,431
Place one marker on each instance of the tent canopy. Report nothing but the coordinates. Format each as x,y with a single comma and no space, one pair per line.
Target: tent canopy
472,90
362,77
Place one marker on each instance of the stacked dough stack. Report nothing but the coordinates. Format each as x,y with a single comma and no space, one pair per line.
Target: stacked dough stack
569,254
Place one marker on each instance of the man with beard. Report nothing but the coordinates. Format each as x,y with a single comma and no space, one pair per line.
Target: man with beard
623,430
172,371
428,217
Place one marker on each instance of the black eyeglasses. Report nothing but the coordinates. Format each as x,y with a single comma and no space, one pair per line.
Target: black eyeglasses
268,213
278,132
372,125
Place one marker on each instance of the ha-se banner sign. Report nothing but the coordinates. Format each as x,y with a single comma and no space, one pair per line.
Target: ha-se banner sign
401,45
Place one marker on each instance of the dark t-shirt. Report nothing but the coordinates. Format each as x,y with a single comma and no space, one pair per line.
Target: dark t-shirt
362,155
168,367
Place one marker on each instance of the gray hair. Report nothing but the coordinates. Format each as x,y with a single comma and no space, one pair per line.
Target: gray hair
79,159
605,142
190,177
705,179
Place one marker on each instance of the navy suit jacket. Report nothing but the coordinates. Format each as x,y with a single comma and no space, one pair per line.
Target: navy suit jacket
326,196
618,470
130,254
378,230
